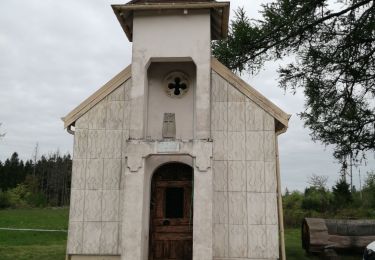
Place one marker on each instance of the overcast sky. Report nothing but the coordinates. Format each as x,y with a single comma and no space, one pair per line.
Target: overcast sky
54,54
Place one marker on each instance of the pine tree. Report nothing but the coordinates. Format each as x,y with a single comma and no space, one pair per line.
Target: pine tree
333,44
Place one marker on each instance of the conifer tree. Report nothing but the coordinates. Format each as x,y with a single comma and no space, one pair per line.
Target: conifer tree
333,43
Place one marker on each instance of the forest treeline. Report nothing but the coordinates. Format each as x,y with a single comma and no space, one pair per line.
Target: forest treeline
46,183
339,201
35,183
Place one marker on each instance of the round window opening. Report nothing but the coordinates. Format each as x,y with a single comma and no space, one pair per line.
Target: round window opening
176,84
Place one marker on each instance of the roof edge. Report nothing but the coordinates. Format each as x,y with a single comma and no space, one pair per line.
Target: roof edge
95,98
181,5
251,93
218,67
124,13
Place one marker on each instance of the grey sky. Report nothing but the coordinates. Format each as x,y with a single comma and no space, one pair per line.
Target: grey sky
54,54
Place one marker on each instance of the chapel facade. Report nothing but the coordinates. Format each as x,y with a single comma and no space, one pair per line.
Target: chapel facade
175,157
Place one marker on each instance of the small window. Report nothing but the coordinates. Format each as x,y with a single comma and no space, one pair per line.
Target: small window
174,203
176,84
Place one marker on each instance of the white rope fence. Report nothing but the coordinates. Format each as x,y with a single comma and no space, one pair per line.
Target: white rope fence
34,230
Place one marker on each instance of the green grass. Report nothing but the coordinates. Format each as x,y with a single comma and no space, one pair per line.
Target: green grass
294,251
37,252
293,246
25,245
48,218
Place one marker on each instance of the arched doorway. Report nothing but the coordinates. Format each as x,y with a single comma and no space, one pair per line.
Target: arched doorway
171,212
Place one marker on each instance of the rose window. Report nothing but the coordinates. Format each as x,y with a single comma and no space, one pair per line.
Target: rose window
176,84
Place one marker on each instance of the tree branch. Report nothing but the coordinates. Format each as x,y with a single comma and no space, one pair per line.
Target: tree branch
301,30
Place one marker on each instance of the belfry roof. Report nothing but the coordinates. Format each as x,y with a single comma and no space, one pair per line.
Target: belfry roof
167,1
234,80
219,12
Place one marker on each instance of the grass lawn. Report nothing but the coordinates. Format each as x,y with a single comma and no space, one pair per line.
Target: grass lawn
24,245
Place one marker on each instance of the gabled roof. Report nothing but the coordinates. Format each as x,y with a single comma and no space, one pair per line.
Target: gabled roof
216,66
98,96
251,93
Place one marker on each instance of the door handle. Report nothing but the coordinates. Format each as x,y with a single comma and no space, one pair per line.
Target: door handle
166,222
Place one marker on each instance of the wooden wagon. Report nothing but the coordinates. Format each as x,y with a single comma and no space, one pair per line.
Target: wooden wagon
319,234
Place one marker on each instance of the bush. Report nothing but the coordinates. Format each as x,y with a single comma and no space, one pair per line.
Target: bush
293,200
36,200
293,217
4,200
316,199
21,197
369,191
18,196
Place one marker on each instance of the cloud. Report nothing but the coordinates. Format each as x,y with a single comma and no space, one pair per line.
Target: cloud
54,54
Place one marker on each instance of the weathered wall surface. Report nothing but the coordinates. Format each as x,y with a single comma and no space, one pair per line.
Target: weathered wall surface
245,223
171,36
95,208
244,175
159,102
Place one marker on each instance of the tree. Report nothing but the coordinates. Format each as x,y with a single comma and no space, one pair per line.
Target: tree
36,183
318,181
341,194
317,199
334,47
369,190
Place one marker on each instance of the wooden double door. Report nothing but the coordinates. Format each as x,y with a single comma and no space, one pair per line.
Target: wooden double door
171,213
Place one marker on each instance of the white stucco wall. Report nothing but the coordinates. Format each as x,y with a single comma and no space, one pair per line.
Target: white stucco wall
174,36
159,102
244,176
244,198
112,172
95,208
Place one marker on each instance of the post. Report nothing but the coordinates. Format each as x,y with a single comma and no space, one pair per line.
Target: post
280,203
132,212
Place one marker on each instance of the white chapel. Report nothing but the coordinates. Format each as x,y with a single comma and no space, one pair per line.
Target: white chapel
176,157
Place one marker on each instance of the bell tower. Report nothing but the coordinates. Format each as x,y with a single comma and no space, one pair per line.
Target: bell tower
170,121
171,65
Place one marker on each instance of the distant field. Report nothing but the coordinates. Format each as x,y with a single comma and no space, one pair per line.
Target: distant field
25,245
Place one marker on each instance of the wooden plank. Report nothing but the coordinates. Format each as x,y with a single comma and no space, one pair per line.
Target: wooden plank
172,221
174,184
160,197
351,227
173,229
314,234
280,203
349,242
188,207
173,236
99,95
250,92
225,21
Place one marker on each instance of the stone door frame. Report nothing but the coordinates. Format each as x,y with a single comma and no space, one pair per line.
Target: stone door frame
141,159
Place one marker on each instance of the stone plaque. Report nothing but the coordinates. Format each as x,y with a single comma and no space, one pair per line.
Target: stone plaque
169,125
168,147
